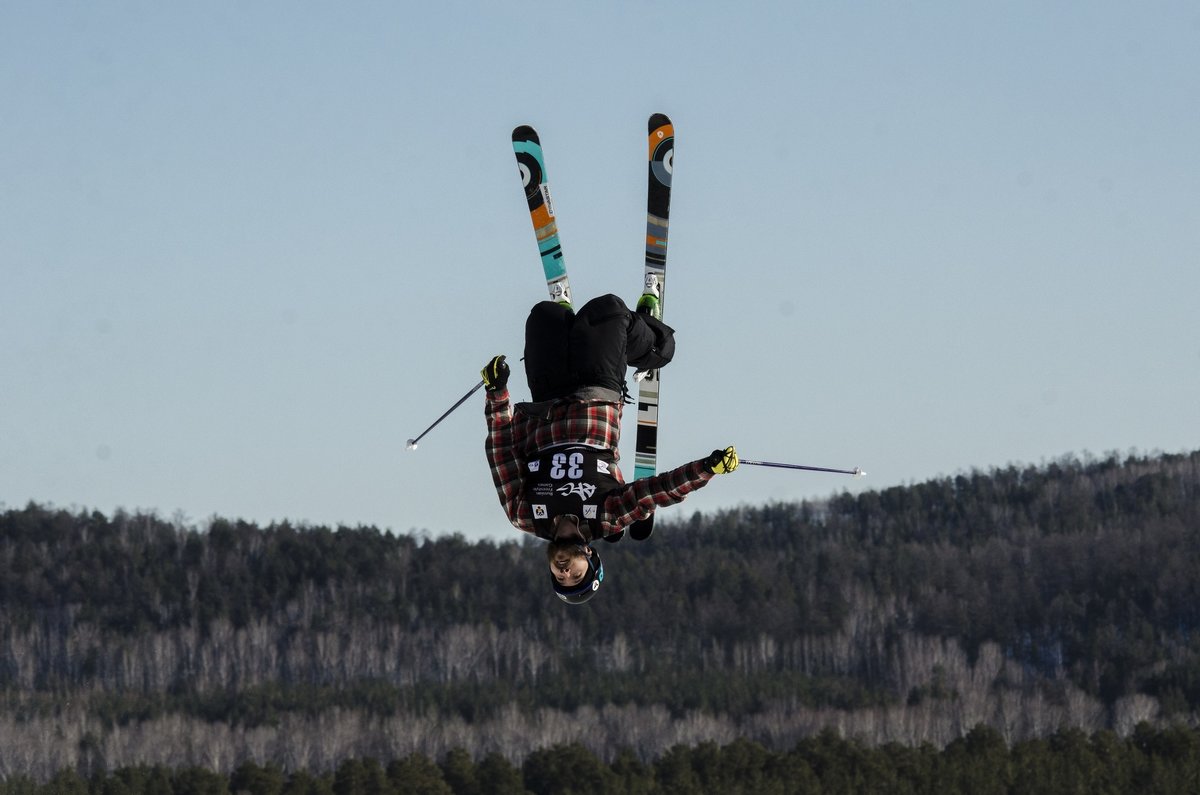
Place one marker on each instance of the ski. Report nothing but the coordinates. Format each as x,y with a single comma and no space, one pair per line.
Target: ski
532,166
661,153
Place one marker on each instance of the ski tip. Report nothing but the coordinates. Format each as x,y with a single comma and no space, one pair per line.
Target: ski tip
524,133
642,528
658,120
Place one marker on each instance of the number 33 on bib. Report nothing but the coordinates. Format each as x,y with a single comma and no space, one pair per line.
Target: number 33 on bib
570,480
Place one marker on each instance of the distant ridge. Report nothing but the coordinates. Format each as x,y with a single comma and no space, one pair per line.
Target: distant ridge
1021,598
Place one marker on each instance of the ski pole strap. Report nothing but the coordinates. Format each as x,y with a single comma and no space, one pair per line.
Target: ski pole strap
856,472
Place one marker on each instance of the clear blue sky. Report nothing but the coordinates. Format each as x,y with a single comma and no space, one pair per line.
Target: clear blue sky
247,249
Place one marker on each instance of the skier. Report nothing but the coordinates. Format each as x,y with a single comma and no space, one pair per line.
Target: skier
554,460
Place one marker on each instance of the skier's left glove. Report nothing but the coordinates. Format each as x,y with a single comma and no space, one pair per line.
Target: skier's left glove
495,374
722,461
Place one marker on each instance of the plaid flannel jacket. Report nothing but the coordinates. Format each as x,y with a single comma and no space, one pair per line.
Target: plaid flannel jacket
515,437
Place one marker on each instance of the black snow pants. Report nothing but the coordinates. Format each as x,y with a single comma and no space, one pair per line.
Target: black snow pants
565,351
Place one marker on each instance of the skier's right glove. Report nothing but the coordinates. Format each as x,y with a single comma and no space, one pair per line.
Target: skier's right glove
495,374
722,461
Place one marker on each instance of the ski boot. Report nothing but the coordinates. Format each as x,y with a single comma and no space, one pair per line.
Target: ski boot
650,301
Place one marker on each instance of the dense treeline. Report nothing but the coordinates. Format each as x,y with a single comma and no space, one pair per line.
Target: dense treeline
1024,598
980,763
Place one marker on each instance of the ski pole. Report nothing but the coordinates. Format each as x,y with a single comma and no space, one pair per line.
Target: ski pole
856,472
412,443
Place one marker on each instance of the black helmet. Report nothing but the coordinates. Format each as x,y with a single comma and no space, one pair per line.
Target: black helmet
584,589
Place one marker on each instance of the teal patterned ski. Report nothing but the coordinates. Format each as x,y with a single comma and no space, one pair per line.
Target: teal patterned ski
532,166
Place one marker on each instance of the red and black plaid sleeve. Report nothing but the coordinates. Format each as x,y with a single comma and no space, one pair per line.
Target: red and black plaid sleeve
504,459
638,500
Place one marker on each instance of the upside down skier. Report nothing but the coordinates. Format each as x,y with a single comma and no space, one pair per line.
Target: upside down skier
554,459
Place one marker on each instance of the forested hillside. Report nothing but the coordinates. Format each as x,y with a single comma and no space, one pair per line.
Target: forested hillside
1026,599
1159,761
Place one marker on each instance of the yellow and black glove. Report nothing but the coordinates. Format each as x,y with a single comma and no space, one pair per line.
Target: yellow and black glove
722,461
495,374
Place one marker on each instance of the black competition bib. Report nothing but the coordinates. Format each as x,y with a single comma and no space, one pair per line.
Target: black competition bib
569,480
